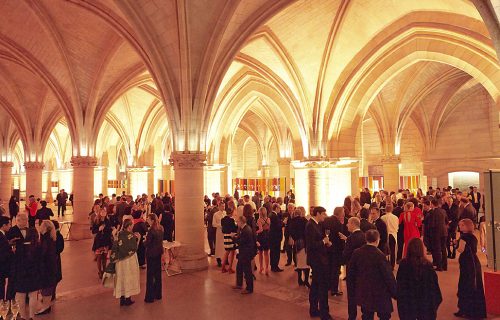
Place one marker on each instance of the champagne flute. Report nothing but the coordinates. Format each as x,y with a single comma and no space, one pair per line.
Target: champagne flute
14,307
327,232
4,309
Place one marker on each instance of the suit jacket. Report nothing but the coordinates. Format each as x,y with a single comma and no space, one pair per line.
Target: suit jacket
246,244
468,212
370,275
437,223
6,256
365,225
275,229
316,249
383,245
26,263
333,224
354,241
154,243
44,213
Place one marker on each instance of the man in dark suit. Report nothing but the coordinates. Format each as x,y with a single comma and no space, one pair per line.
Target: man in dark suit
338,235
355,240
401,240
468,211
382,230
475,199
6,256
369,273
437,227
275,237
316,246
43,213
246,253
61,198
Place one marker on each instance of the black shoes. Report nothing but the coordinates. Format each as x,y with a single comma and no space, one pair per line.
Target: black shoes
126,301
46,311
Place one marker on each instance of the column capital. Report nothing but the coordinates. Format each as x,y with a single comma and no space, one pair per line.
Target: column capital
391,159
284,161
83,162
140,169
34,165
6,164
187,159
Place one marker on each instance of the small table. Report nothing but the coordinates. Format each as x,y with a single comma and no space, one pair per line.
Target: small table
170,263
66,223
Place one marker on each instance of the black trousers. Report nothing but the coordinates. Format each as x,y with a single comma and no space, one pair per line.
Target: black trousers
244,268
334,264
392,250
439,257
7,290
369,315
352,306
61,208
450,247
211,231
153,278
318,295
274,252
141,253
401,243
31,221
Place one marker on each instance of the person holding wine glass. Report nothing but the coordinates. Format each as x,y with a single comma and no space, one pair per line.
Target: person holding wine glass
48,264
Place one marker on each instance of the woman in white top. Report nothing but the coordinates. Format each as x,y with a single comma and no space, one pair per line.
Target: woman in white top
219,236
392,223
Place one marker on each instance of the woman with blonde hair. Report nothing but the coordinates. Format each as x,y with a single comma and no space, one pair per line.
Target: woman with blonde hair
263,225
297,234
48,264
355,208
471,300
411,222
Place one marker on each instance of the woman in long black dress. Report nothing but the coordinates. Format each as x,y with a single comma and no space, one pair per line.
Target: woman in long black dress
13,207
419,295
471,301
48,264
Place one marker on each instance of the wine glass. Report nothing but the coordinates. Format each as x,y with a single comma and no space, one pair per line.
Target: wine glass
14,307
327,232
4,309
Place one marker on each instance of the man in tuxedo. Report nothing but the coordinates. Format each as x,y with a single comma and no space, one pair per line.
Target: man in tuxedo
365,225
275,237
355,240
61,198
437,227
316,246
6,256
468,211
246,253
337,236
370,274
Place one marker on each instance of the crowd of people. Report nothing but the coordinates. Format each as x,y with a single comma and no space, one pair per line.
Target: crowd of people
369,235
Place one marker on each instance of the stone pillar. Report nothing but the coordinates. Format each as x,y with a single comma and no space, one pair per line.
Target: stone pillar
355,181
83,195
6,181
266,171
166,175
390,165
48,192
140,180
104,181
189,228
224,189
34,179
284,172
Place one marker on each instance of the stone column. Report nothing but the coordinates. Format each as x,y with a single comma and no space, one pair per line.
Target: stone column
355,181
6,181
34,179
140,180
83,195
390,165
266,171
284,172
189,228
166,175
224,189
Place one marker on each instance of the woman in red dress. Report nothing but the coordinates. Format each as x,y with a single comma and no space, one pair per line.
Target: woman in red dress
412,222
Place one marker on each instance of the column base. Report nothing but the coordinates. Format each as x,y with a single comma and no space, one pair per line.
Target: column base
80,231
191,262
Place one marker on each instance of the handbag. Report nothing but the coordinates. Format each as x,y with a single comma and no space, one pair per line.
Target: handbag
108,280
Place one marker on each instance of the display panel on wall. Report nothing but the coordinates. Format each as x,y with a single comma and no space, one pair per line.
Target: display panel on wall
165,186
374,183
54,184
492,217
411,183
267,186
117,184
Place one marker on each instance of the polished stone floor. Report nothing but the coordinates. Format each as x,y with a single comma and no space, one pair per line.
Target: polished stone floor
202,295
